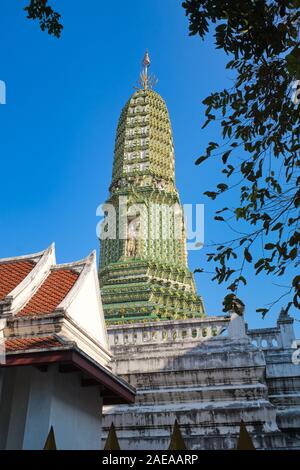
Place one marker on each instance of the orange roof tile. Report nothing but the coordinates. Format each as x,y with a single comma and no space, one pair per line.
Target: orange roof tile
12,274
51,293
22,344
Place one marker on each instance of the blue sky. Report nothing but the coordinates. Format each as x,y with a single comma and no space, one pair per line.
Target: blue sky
58,127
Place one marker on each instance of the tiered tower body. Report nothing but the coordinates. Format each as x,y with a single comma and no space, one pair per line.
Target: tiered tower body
144,273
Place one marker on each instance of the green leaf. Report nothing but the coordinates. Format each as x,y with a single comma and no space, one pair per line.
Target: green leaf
201,160
206,123
277,226
259,262
232,287
241,278
211,194
269,246
222,187
293,253
222,210
198,270
247,255
225,156
263,311
293,62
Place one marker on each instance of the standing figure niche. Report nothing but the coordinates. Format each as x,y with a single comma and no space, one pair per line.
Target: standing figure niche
133,226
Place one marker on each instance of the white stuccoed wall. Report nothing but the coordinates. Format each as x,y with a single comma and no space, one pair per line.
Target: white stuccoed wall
184,370
282,374
32,401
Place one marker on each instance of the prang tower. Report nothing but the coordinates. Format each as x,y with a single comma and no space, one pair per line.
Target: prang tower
144,274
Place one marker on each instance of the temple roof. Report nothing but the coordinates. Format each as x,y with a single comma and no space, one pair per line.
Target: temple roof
35,286
12,274
32,344
51,293
52,313
14,271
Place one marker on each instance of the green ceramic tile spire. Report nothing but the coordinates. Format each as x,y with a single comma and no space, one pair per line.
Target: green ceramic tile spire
143,270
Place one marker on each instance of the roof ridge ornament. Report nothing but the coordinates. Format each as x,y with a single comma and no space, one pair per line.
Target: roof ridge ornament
146,80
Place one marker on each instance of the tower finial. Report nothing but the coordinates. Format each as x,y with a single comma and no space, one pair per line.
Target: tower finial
146,60
146,80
